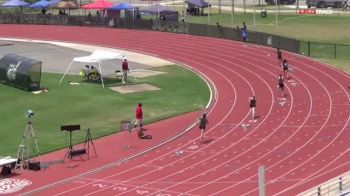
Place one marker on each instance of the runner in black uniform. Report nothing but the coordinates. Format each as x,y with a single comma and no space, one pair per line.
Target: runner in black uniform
279,56
202,124
285,68
252,105
281,84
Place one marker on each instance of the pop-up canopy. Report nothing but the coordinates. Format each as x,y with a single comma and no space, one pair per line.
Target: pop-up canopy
14,3
98,5
96,57
197,3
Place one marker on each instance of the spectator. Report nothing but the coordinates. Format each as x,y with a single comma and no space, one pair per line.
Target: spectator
182,16
218,25
94,74
43,11
244,34
87,72
125,69
263,13
244,26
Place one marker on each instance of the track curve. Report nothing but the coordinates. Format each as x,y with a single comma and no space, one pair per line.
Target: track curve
301,142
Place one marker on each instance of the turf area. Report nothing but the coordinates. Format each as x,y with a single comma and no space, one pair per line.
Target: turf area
323,31
94,107
328,28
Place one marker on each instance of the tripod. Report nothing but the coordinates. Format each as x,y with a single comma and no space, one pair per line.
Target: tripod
23,154
88,140
70,148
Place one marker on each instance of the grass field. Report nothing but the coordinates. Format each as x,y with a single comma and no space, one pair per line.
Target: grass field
327,30
92,106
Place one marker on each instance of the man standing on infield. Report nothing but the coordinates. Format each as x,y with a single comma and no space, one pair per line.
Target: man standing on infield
138,116
125,69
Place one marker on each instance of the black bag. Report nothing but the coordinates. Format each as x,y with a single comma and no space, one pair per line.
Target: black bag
35,166
6,170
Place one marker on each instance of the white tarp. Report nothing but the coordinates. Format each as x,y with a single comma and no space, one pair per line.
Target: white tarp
96,57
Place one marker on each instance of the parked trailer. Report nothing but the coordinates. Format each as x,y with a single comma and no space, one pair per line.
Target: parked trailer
327,3
280,2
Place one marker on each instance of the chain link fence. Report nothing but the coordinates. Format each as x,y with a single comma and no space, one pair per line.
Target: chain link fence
150,24
318,50
325,50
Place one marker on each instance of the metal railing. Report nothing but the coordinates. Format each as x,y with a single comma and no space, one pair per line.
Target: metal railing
336,186
325,50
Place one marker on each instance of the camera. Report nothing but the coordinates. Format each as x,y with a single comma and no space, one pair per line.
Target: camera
30,113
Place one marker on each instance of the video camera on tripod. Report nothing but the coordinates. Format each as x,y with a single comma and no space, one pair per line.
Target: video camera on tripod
24,158
29,113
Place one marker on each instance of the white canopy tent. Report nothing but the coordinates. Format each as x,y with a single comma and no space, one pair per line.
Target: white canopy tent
96,57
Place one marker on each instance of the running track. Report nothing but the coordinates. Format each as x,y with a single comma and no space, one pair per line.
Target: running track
302,143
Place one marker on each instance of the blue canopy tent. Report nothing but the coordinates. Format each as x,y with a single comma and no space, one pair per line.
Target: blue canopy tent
129,11
14,3
163,12
197,3
157,8
122,6
44,3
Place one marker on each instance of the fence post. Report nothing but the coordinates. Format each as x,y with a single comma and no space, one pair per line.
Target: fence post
340,184
308,49
319,191
261,177
335,51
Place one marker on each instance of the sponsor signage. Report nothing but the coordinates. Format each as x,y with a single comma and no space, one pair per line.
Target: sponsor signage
315,11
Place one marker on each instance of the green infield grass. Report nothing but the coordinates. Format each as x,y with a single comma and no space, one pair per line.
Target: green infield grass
94,107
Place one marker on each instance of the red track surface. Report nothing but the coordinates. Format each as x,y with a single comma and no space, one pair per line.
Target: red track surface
302,143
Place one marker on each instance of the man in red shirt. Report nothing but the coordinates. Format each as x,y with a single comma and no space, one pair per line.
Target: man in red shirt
125,69
138,116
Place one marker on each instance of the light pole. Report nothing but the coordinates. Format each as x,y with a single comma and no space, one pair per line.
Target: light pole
232,11
276,15
244,6
209,7
254,24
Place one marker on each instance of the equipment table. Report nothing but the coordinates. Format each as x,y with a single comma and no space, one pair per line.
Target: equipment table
7,162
